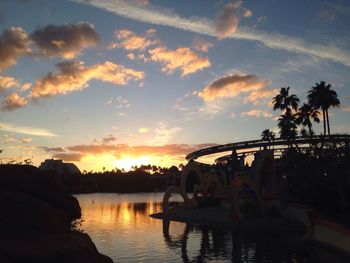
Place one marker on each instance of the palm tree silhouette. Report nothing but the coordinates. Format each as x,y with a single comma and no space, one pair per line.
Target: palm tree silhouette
321,96
287,126
284,101
305,115
268,135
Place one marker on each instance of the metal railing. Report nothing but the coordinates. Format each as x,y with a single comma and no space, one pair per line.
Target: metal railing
262,143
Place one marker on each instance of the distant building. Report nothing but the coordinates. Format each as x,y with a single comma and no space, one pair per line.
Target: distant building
59,167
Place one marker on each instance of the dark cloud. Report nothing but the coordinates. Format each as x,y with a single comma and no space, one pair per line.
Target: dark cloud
65,41
53,149
228,17
14,43
110,138
69,157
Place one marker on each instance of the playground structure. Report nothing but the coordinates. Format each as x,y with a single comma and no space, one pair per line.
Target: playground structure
230,180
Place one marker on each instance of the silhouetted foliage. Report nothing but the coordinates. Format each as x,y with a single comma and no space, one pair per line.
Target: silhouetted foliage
305,115
321,96
144,178
284,101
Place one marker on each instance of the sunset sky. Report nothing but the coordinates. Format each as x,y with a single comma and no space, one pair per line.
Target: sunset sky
115,83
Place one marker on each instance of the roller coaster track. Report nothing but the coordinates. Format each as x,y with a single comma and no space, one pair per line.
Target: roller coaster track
262,143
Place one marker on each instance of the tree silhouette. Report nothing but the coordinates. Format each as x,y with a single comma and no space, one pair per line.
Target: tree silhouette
268,135
287,126
284,101
321,96
305,115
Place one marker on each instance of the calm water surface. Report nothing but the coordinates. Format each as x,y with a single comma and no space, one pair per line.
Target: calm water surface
120,226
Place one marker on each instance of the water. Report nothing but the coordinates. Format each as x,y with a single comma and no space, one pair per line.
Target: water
120,227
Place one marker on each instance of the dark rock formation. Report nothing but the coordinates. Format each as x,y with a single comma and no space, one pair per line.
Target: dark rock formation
36,215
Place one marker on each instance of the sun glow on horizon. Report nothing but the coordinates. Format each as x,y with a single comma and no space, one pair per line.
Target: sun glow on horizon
127,162
108,162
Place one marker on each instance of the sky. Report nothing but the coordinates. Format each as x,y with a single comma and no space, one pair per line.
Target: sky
115,83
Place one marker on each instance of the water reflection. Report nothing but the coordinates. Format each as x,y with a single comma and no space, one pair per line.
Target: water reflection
121,227
218,243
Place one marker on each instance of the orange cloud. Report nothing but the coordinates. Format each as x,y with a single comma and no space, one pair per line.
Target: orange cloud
247,13
202,45
12,102
257,113
345,108
120,150
183,58
131,41
7,83
14,43
66,41
131,56
255,95
74,76
231,86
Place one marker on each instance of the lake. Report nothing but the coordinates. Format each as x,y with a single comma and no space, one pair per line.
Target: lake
120,226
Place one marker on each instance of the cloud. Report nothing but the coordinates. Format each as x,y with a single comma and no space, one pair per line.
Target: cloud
66,41
13,101
345,108
69,157
163,134
227,19
9,139
74,76
231,86
247,13
183,58
7,83
331,10
256,95
131,56
200,25
177,151
26,130
14,43
257,113
109,139
202,45
53,149
130,41
25,86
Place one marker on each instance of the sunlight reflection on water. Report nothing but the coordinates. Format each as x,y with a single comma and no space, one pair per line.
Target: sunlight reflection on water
120,226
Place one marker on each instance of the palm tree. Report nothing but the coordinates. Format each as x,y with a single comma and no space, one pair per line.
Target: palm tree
321,96
288,128
284,101
268,135
305,115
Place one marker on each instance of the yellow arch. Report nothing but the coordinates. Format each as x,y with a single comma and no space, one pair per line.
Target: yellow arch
190,167
177,190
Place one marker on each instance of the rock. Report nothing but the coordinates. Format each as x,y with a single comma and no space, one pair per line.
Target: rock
23,214
39,184
74,247
36,215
